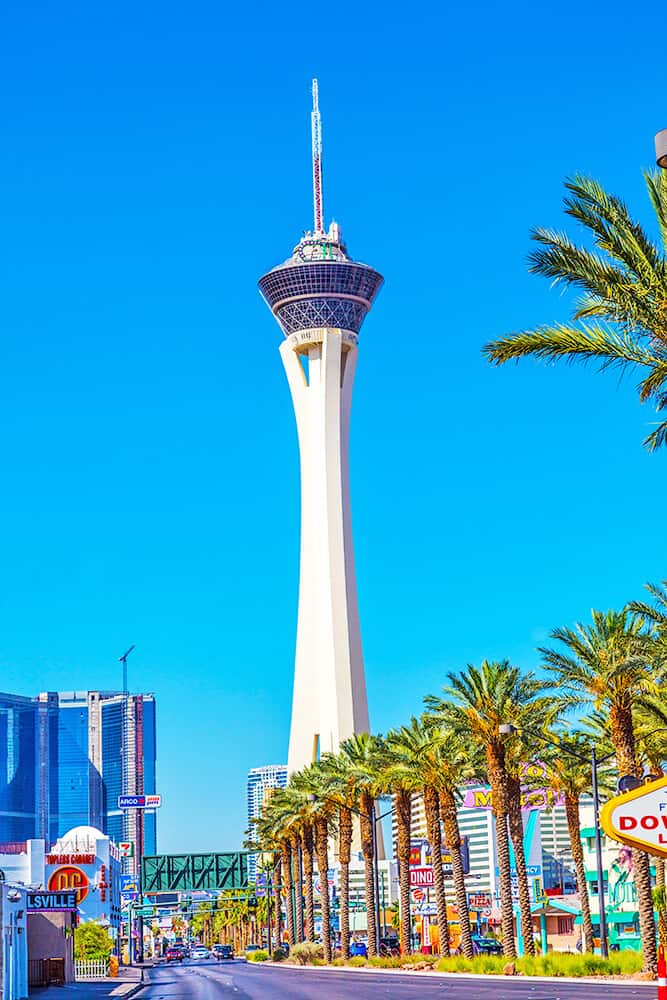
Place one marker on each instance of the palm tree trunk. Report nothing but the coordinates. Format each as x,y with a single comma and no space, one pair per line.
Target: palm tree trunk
660,901
516,833
450,823
322,841
286,858
366,825
277,906
432,811
623,739
574,830
298,885
403,806
345,852
308,875
498,781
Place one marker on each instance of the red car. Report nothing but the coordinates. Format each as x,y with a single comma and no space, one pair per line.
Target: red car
174,954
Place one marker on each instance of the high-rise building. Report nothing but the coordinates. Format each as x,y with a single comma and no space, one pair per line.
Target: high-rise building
261,782
61,759
320,297
19,768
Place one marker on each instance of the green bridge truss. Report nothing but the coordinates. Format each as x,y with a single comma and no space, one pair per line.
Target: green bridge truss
186,872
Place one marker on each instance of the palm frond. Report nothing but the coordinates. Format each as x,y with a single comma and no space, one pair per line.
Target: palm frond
589,341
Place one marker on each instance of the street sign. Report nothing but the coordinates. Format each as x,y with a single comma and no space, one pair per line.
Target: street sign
421,877
139,801
126,848
50,902
639,818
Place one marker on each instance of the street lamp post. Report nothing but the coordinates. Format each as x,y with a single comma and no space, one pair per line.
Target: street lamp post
507,729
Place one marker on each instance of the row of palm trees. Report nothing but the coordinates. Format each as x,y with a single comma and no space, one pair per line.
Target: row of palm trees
613,669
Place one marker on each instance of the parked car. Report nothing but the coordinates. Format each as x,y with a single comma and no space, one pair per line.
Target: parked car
174,954
220,951
486,946
358,948
200,951
252,947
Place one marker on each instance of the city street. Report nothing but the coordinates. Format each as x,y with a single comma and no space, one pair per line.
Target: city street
247,981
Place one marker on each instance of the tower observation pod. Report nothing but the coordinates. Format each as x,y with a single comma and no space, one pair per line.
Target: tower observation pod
320,297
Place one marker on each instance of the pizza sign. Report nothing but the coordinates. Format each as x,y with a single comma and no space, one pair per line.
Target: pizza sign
639,818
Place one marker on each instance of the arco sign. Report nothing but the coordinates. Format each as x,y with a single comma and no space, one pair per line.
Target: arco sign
639,818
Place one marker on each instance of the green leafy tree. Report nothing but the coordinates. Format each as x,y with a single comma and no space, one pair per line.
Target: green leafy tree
620,318
91,942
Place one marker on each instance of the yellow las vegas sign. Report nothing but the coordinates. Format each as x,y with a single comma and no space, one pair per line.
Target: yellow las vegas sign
639,818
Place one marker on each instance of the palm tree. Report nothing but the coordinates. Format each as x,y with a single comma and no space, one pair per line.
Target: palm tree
341,789
478,701
359,756
620,320
570,776
606,663
400,778
418,752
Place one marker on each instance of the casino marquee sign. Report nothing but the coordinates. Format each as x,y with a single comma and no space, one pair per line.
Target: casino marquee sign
639,818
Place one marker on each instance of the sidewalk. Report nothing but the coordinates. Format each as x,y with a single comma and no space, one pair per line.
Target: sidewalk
126,984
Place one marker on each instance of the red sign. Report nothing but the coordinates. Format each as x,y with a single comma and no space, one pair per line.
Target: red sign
417,895
479,900
69,877
70,859
421,877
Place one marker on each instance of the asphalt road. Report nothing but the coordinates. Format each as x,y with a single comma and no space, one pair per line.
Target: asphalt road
208,980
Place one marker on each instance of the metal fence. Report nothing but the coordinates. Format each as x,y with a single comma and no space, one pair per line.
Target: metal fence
91,969
46,971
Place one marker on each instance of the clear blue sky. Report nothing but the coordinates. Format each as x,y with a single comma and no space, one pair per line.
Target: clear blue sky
155,161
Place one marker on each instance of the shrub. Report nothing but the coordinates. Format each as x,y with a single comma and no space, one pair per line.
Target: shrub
553,964
306,952
356,961
261,955
279,954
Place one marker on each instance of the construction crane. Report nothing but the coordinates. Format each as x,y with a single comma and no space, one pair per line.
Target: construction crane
316,127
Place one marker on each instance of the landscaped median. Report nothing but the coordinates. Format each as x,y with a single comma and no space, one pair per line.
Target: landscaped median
625,964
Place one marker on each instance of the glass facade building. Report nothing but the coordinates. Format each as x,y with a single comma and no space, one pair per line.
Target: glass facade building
18,768
261,781
61,764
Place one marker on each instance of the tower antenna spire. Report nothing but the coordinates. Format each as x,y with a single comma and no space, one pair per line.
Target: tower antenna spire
316,128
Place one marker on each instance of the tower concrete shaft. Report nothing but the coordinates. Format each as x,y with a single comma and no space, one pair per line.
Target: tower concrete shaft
329,700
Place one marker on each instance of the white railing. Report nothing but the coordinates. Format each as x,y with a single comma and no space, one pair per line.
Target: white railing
97,968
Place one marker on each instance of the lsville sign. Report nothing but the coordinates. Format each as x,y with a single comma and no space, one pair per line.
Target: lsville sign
51,902
639,818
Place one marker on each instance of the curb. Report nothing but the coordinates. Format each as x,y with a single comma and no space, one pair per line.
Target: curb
484,977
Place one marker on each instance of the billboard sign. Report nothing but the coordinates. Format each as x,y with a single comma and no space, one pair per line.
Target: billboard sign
139,801
638,818
129,888
421,878
51,902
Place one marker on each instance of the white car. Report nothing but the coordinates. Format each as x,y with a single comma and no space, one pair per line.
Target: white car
200,951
